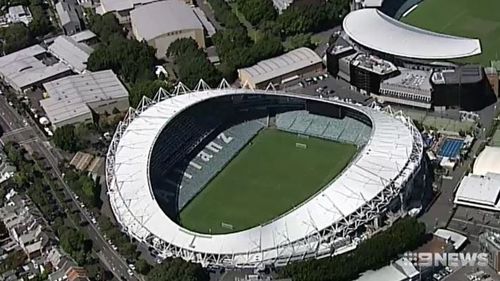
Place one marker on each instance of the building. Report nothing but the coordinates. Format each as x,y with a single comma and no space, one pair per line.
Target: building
464,86
410,87
161,23
75,273
367,72
75,99
25,225
490,243
31,67
6,169
371,29
400,270
281,69
74,54
487,161
492,76
122,8
87,37
70,15
19,13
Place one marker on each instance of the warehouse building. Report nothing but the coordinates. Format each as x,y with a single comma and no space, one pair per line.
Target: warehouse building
74,54
76,99
161,23
279,70
31,67
410,87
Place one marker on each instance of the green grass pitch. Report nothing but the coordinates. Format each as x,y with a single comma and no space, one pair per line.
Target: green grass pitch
468,18
267,178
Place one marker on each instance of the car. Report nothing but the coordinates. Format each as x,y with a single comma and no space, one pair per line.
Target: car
10,103
320,77
132,266
325,75
114,247
130,272
301,84
315,79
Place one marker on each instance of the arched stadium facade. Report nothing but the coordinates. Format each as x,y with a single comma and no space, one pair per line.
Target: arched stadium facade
331,222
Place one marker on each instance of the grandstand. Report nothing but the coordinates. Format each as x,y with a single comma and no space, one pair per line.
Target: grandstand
348,130
164,153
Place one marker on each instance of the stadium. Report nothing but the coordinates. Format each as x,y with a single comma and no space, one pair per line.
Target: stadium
250,178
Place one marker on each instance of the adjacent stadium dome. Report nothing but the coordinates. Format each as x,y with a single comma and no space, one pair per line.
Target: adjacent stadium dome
157,164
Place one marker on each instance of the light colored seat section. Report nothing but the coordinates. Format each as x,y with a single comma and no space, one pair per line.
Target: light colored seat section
348,130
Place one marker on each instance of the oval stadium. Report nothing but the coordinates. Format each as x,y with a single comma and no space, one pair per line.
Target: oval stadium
250,178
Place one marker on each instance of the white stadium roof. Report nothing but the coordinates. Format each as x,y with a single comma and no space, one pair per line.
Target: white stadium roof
487,161
385,164
375,30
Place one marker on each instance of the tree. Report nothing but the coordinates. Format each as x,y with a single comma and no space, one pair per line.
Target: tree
192,63
146,88
133,60
299,40
405,235
16,36
105,26
142,266
257,11
178,270
65,138
40,25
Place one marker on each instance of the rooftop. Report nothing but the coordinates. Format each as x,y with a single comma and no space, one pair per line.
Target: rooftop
159,18
69,96
68,11
29,66
375,30
274,67
83,36
374,64
411,79
19,13
122,5
73,53
482,190
487,161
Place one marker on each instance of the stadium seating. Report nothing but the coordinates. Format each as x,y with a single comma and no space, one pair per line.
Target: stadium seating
347,130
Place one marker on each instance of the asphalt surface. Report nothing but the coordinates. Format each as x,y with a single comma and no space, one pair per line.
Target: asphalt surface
32,138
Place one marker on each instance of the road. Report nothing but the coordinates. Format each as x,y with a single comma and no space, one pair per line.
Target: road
33,139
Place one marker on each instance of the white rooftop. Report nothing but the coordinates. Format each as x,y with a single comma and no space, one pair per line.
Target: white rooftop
30,66
386,273
159,18
375,30
487,161
69,96
70,51
457,239
388,157
122,5
479,189
281,65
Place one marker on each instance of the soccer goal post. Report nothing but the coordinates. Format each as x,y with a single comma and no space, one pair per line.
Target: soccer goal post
300,145
227,225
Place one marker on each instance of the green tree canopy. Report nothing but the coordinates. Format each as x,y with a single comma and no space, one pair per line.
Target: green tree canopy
178,270
257,11
65,138
192,63
105,26
146,88
16,37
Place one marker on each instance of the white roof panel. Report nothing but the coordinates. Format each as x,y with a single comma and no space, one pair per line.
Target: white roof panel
375,30
487,161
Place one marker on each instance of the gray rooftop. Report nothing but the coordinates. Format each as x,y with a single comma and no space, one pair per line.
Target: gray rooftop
83,36
162,17
67,10
69,96
30,66
374,64
411,79
70,51
274,67
463,74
